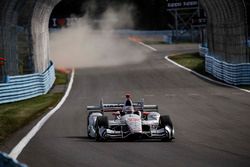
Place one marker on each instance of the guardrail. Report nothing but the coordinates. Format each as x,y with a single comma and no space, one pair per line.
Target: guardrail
7,161
235,74
27,86
203,50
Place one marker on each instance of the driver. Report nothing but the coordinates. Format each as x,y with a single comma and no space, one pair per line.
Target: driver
128,106
128,101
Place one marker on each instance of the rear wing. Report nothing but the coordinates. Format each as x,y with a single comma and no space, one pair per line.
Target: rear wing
113,107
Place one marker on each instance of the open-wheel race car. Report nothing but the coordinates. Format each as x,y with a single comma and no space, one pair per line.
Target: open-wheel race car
137,121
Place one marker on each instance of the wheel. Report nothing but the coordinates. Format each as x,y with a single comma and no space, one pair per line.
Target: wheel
101,121
97,135
87,129
166,121
90,137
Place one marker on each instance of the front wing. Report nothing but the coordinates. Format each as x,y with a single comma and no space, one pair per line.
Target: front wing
123,132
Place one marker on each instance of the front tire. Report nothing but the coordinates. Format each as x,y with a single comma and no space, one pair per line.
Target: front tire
166,121
101,121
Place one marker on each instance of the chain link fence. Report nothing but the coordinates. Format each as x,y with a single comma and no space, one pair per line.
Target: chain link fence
227,30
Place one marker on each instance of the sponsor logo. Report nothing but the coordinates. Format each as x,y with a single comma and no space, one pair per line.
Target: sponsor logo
133,119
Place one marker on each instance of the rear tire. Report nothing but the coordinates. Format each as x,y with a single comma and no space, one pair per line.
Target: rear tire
101,121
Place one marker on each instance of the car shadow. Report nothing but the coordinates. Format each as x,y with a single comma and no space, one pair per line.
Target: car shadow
87,139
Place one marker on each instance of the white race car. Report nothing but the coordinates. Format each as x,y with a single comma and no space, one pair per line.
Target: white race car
136,122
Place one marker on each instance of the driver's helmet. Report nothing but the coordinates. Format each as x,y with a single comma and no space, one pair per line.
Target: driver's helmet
128,109
127,95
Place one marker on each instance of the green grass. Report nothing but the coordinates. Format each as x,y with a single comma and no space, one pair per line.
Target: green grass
245,87
14,116
192,61
196,63
61,78
155,42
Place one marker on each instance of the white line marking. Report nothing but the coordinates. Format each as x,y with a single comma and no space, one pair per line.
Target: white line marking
216,94
204,77
170,95
237,93
150,47
149,95
193,94
20,146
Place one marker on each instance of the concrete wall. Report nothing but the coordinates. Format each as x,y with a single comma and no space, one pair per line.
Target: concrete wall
24,35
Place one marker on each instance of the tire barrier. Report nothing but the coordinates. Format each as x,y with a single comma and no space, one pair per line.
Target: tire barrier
6,161
235,74
27,86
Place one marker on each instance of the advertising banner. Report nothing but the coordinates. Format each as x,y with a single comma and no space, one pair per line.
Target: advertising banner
181,4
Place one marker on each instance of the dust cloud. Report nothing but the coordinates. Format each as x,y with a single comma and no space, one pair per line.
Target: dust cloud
95,43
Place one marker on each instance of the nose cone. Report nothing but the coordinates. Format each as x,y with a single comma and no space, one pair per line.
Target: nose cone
134,123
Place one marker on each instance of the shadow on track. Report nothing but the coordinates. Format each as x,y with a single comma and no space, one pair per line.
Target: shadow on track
87,139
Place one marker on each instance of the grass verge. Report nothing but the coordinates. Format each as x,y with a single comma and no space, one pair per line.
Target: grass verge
196,63
245,87
192,61
13,116
155,42
61,78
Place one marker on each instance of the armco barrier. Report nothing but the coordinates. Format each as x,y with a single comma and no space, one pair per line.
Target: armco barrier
203,50
27,86
235,74
6,161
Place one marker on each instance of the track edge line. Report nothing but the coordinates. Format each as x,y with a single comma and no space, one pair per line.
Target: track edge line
204,77
16,151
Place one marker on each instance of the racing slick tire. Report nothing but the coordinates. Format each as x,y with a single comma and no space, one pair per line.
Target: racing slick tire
88,131
88,128
101,121
166,121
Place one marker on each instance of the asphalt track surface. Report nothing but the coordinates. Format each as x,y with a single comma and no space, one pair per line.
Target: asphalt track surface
212,122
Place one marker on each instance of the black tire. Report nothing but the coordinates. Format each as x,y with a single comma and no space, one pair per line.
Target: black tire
101,121
90,137
97,136
87,127
166,121
88,134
